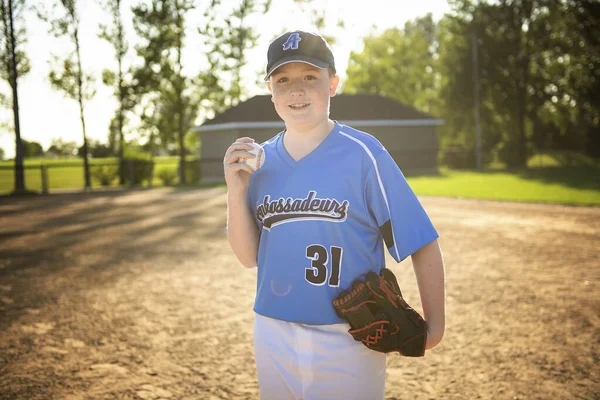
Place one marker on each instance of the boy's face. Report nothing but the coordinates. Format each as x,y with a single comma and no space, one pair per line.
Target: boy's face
301,94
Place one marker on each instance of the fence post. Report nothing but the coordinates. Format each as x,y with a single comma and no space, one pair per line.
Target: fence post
44,172
131,173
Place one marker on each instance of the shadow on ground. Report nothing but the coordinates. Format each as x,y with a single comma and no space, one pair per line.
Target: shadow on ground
42,236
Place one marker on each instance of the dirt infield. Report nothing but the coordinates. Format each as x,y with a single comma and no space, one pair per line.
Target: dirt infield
136,295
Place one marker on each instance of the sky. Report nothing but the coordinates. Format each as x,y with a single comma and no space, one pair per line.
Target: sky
46,114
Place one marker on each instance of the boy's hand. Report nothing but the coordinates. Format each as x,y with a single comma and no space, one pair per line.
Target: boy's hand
237,175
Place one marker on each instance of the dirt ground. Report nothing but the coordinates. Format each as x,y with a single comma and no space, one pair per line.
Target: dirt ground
136,295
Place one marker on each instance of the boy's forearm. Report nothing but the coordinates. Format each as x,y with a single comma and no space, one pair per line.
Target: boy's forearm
429,271
242,232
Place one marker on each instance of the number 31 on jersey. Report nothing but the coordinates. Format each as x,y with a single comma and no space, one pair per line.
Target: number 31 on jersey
319,269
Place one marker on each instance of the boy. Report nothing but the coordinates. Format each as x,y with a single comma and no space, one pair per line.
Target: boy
314,218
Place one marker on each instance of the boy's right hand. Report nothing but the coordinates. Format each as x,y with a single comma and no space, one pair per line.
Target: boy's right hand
237,175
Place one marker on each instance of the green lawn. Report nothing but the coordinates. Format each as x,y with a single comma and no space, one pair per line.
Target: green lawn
67,173
566,185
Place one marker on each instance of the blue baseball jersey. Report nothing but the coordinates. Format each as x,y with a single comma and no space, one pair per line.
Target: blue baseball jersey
327,219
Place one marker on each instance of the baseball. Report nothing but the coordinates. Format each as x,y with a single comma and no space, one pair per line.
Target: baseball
259,159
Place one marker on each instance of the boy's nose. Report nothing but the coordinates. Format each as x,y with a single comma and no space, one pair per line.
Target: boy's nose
297,88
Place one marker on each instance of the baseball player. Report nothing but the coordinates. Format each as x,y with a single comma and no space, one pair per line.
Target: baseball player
320,213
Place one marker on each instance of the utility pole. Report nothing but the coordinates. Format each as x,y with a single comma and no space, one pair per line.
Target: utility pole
476,101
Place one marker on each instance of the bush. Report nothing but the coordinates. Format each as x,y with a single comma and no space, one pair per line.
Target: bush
192,171
168,176
458,157
105,174
143,167
510,154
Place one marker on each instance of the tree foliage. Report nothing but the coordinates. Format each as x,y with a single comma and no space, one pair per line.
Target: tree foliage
59,147
96,149
228,39
169,100
320,18
15,64
67,74
398,64
119,80
538,63
32,149
22,61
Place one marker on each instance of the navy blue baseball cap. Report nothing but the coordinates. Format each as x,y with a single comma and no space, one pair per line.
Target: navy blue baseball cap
299,46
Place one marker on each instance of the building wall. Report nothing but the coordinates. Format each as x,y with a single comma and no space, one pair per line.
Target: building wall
214,144
414,148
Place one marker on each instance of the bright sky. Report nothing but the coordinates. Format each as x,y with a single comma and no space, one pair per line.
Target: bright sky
46,114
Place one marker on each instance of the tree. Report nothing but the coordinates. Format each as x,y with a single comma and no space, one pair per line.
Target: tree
534,67
228,40
584,17
538,68
2,153
15,65
399,64
96,149
69,76
60,147
319,17
115,35
31,149
171,103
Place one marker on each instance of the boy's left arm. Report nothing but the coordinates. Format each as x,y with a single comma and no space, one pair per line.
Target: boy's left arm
429,271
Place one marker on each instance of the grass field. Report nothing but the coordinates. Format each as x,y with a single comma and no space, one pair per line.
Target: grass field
563,185
563,179
67,173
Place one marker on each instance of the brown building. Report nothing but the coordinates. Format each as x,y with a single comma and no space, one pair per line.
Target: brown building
408,135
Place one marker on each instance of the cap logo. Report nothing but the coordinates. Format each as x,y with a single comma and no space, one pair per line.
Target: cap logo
292,42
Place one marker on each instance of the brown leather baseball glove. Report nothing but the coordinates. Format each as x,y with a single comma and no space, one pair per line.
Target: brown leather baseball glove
380,318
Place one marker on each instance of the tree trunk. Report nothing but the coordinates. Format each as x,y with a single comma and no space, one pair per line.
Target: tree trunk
523,64
180,106
520,68
121,95
120,122
86,166
11,46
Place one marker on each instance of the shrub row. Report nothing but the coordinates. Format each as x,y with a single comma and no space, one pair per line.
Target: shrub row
142,169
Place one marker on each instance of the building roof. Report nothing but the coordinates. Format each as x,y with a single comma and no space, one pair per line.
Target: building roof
344,107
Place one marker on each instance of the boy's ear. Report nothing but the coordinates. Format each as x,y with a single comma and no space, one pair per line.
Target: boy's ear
333,84
270,88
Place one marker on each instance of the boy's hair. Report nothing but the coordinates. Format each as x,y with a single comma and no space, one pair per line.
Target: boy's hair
300,46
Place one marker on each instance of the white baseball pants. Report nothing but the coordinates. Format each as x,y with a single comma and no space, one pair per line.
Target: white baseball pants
315,362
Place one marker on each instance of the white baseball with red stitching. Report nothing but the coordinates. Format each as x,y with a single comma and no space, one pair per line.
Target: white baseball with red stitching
259,157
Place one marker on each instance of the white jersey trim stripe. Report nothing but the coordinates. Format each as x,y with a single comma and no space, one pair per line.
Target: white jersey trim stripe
364,146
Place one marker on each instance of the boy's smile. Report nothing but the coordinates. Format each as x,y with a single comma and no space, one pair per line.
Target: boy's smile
300,105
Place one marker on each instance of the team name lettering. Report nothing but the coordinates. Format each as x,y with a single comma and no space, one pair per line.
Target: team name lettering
278,211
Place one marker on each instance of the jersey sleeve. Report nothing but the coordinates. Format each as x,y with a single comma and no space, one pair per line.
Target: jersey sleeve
402,220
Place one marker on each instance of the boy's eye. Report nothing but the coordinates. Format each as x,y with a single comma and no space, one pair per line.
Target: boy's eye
310,77
282,80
